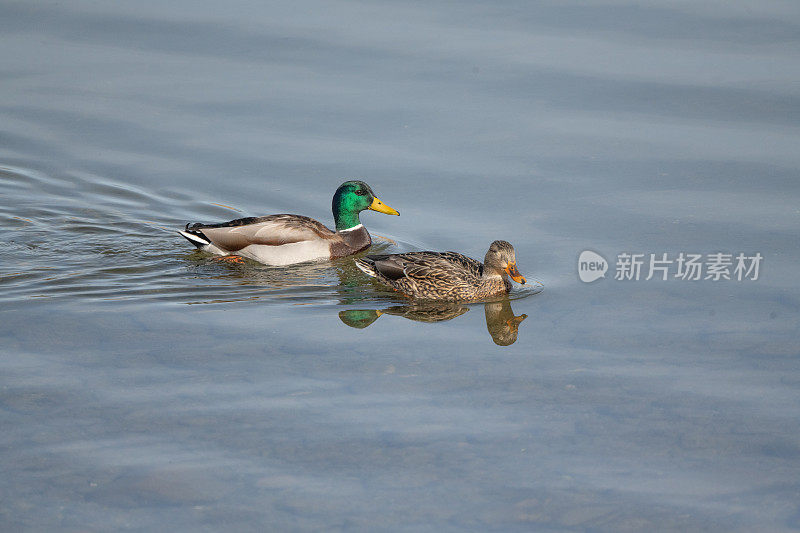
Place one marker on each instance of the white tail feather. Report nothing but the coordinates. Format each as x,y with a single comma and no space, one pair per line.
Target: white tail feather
194,238
365,267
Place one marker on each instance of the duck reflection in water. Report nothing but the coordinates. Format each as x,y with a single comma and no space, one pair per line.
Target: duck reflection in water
501,322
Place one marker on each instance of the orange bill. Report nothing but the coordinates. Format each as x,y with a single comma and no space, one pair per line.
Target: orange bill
511,270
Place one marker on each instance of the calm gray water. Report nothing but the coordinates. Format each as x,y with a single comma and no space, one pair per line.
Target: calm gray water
145,386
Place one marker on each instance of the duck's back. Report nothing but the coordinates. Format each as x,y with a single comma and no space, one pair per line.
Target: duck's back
432,275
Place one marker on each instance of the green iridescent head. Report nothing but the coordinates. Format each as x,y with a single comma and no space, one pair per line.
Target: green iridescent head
350,199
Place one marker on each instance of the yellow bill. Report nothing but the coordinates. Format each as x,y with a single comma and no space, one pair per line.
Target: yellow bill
381,207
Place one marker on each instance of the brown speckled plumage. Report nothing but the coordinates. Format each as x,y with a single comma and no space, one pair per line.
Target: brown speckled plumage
445,275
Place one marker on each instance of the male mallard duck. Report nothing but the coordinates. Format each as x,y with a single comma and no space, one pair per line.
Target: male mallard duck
446,275
288,239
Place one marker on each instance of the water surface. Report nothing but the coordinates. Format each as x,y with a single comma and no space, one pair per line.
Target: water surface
146,385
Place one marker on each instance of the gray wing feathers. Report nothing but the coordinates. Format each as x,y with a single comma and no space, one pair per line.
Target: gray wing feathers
390,267
273,230
445,267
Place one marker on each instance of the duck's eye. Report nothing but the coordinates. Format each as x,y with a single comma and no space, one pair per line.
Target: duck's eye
361,192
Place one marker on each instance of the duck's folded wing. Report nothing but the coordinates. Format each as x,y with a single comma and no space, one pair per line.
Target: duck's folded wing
469,264
390,266
273,230
430,266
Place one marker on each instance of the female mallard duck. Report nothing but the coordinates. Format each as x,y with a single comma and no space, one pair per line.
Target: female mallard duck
446,275
288,239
